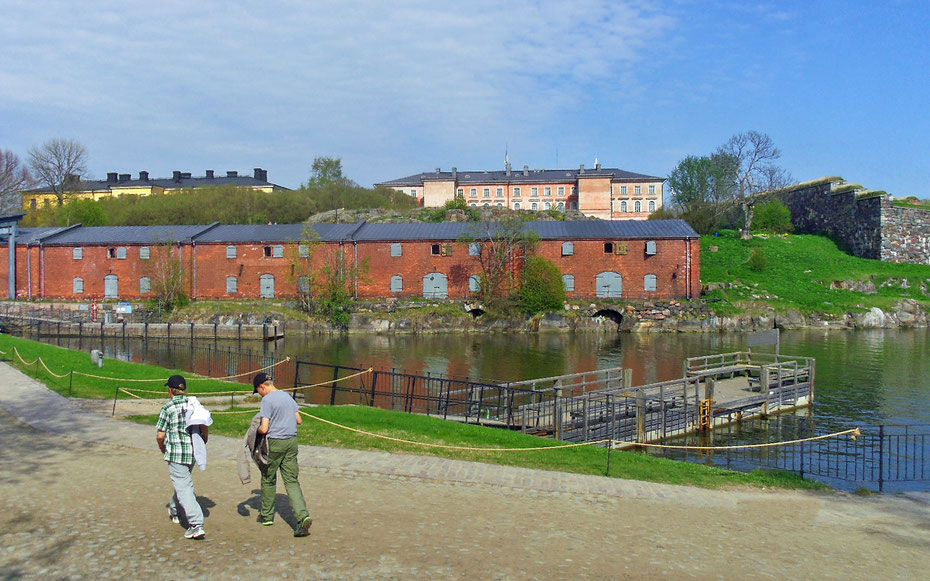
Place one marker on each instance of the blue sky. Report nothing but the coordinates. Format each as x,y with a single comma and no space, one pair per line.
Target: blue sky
396,88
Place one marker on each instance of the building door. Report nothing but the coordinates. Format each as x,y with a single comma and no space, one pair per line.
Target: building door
609,285
111,286
435,286
267,286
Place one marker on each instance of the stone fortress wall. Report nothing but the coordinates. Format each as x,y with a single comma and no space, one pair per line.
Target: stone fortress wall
862,221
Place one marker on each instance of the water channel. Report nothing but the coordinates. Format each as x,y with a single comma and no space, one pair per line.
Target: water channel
864,378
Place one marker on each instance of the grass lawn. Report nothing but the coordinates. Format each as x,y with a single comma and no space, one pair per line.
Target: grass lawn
798,273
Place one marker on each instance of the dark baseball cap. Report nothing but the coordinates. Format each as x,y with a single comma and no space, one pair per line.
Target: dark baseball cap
260,379
177,382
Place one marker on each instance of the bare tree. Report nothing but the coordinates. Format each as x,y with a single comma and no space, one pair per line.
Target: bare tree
496,246
58,165
167,276
755,153
14,178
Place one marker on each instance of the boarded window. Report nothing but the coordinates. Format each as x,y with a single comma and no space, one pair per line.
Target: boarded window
230,252
568,249
266,286
232,285
397,249
447,250
474,283
278,251
145,285
568,281
650,247
397,284
649,283
121,253
303,285
145,252
303,251
77,253
474,249
78,286
621,248
111,286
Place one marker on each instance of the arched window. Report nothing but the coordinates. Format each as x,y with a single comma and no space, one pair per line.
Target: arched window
568,281
516,205
649,283
266,286
548,205
609,285
623,206
637,206
230,252
78,286
568,248
652,206
474,283
232,285
111,286
145,285
397,284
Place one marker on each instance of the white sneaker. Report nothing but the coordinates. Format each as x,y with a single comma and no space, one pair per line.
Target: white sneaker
173,516
196,532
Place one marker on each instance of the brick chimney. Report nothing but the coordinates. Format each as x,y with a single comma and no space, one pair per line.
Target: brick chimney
125,177
526,170
209,174
112,177
232,174
144,176
176,176
581,169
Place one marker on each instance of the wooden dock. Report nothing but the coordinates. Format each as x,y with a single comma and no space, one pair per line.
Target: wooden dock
715,390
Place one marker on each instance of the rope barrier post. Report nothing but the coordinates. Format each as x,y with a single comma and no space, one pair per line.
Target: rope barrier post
610,434
70,383
115,395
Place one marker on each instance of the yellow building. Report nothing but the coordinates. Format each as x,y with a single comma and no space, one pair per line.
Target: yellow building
118,184
605,193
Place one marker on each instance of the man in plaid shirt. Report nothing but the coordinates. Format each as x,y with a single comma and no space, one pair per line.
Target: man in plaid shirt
175,442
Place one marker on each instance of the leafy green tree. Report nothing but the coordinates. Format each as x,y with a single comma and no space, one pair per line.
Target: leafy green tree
84,212
773,217
703,189
542,288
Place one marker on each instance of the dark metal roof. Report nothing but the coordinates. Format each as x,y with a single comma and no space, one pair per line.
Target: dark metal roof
362,232
275,233
464,178
124,235
30,235
167,183
657,229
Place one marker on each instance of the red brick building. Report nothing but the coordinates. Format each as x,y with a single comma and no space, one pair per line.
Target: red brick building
639,260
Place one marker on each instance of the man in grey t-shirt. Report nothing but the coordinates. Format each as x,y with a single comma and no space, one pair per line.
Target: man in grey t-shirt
280,417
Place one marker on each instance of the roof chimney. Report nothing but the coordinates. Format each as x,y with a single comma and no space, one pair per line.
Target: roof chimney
581,170
209,174
232,174
438,170
526,170
144,176
186,175
176,176
112,177
597,164
125,177
257,173
454,172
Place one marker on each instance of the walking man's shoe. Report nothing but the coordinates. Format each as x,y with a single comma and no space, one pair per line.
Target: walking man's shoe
303,529
196,533
174,517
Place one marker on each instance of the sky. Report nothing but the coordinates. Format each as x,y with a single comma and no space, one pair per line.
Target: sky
400,87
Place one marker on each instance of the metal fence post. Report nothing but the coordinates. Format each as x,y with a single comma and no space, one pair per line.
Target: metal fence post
881,457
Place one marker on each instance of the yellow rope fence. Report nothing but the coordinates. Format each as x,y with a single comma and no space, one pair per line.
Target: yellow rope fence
854,433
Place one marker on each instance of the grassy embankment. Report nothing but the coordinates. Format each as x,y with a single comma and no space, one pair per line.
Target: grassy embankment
581,460
797,274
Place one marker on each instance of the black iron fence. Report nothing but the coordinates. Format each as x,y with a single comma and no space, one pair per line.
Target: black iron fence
885,457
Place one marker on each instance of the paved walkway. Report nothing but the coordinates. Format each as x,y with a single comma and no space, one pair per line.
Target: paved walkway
86,496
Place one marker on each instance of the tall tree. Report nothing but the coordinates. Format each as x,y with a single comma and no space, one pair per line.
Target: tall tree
756,171
703,188
58,165
14,178
498,248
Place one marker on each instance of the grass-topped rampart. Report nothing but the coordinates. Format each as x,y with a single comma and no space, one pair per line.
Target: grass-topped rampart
803,272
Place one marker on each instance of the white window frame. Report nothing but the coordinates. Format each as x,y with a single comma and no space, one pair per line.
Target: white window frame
637,206
652,206
652,189
516,205
500,192
547,191
622,190
516,192
637,190
623,206
561,190
473,193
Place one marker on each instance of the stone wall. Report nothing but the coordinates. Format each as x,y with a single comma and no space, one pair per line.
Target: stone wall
865,223
905,235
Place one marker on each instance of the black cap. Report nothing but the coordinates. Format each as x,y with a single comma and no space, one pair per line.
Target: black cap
260,379
177,382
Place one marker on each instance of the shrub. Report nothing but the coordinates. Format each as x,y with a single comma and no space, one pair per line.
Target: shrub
542,288
757,260
773,217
